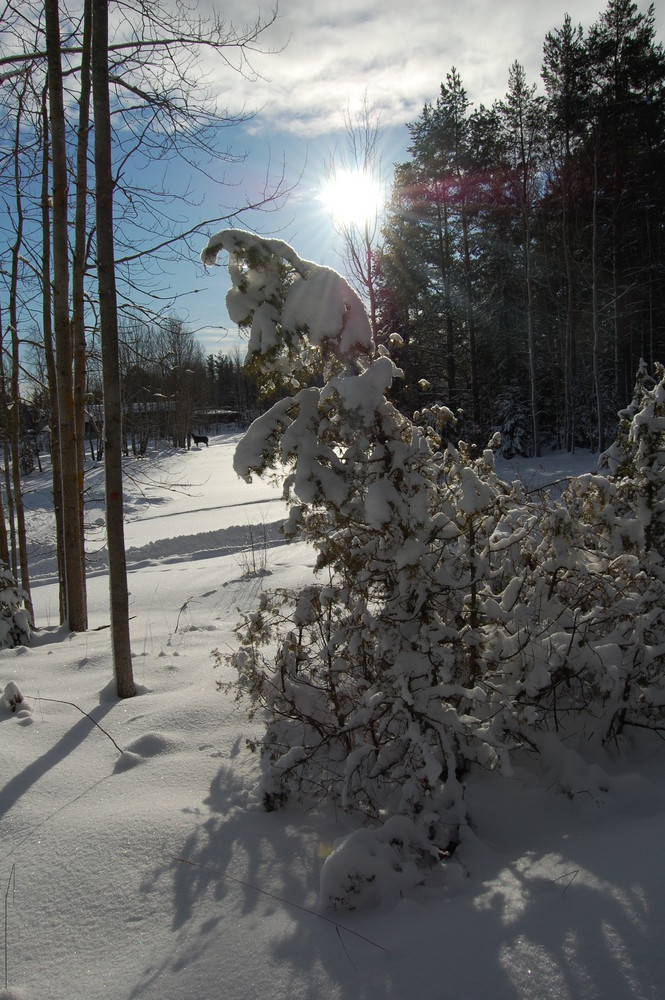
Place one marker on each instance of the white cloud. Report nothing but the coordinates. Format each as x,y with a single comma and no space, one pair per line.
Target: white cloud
397,52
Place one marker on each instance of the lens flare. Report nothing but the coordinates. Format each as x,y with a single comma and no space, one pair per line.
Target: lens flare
352,198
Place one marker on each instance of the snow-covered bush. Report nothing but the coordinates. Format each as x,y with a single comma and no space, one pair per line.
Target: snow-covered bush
15,624
569,637
570,595
455,619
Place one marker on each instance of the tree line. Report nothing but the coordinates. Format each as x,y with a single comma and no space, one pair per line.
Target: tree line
522,259
168,387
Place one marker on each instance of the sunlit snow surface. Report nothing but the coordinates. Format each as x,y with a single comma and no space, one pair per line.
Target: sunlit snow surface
155,873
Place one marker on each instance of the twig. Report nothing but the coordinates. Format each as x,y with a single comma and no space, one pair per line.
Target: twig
12,878
101,628
280,899
183,608
344,949
574,873
59,701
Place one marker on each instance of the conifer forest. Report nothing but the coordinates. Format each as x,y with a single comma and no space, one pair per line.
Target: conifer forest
523,253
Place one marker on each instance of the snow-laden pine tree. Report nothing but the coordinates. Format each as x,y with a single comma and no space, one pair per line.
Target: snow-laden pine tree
15,622
456,622
363,676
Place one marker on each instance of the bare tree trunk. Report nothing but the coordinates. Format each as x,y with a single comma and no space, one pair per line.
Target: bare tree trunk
15,406
569,348
108,311
443,244
4,541
531,335
595,307
74,570
371,283
470,322
10,543
52,379
79,263
6,451
12,558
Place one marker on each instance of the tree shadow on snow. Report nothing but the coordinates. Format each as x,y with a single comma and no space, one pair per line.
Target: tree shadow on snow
263,869
508,920
70,741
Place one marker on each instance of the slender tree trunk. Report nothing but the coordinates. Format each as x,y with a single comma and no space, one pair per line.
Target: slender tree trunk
568,365
595,307
15,407
13,556
371,285
4,540
108,311
74,569
16,478
9,544
51,373
470,323
79,264
648,346
620,369
443,239
531,337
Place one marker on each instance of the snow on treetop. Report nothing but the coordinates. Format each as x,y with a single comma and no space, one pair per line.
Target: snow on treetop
236,241
318,299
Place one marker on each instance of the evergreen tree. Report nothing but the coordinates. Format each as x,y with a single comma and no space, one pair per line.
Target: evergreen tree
523,245
523,120
628,117
566,78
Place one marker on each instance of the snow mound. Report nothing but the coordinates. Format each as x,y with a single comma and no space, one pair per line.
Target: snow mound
373,867
12,697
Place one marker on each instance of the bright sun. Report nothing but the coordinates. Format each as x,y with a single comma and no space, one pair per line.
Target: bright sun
352,198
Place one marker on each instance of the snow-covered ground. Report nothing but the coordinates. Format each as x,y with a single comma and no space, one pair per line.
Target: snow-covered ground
154,873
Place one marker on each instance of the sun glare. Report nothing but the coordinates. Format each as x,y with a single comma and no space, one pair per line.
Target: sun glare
352,198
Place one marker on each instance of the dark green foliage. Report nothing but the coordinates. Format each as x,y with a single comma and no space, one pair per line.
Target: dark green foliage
524,244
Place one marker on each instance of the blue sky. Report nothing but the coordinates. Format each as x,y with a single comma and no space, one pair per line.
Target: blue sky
324,61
